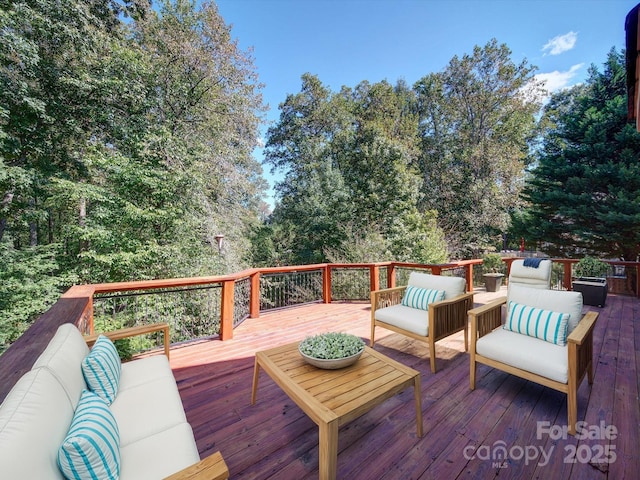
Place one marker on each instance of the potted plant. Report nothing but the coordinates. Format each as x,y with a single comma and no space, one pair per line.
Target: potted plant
331,350
591,280
492,267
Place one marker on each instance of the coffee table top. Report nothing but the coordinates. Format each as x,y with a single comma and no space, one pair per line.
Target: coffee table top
336,395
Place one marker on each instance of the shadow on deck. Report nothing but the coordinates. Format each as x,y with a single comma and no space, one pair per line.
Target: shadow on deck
489,432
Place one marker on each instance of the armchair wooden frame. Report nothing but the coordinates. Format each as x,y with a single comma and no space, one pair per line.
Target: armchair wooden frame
446,317
212,467
486,318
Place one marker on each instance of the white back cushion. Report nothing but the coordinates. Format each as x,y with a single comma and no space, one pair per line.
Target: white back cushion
539,277
452,286
34,419
554,300
63,357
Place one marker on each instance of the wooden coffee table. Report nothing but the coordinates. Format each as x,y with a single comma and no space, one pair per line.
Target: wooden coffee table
332,398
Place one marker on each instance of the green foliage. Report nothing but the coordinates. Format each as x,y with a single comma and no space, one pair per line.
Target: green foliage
584,192
476,124
350,179
30,282
331,345
127,144
492,263
590,267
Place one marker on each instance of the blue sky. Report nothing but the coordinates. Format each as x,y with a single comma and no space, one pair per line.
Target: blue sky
344,42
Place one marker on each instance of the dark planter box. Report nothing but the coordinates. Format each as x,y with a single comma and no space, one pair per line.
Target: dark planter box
492,281
594,290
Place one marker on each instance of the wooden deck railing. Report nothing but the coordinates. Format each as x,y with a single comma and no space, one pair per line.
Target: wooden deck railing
622,277
77,304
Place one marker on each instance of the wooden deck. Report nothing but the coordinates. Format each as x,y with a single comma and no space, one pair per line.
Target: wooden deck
486,433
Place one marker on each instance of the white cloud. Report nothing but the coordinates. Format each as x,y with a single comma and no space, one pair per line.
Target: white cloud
554,81
561,43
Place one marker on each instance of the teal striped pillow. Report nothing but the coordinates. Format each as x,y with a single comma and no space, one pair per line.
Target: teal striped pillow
101,369
535,322
91,449
416,297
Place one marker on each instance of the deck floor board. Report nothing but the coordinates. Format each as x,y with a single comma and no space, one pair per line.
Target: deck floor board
274,439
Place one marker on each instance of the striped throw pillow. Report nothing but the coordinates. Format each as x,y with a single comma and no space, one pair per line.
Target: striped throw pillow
101,369
420,298
91,448
535,322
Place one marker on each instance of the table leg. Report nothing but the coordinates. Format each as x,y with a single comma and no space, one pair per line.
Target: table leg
418,394
254,388
328,446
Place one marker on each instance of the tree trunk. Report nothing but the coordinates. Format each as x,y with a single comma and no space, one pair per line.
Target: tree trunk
82,221
33,227
51,225
8,198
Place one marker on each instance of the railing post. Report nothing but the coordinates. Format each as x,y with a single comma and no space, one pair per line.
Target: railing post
566,279
88,317
509,261
436,269
226,310
326,284
391,276
254,296
374,278
469,274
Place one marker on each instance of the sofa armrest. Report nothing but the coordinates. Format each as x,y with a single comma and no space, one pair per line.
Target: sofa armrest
486,318
132,332
212,467
386,298
449,315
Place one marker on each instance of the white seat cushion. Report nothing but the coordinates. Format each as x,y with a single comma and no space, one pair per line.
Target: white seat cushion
175,446
527,353
406,318
147,409
144,370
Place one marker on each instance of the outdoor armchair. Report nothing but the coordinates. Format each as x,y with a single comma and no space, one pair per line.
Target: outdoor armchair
429,308
552,350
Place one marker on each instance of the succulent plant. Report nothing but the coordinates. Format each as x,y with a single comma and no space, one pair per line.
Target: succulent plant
331,345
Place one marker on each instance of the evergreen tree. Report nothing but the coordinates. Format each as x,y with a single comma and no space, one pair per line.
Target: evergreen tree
584,192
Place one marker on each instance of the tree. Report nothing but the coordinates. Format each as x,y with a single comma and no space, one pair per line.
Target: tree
125,147
349,176
584,192
476,121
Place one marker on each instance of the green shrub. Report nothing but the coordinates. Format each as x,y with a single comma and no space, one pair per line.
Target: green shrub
590,267
492,263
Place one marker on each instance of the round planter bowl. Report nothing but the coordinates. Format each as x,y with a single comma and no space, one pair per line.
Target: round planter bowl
333,363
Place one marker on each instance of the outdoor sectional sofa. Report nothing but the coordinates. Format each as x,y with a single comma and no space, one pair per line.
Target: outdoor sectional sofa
156,441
